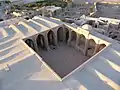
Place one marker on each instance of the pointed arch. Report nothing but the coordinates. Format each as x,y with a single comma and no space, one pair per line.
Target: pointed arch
91,47
73,36
51,38
40,41
60,35
101,46
30,43
82,41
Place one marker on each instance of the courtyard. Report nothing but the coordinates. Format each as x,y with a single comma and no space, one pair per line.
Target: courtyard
63,59
63,54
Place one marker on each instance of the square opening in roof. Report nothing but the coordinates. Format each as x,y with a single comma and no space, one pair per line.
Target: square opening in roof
61,54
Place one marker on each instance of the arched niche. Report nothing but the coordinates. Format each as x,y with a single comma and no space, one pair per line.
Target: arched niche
51,38
30,43
101,46
60,35
40,42
73,36
91,47
82,41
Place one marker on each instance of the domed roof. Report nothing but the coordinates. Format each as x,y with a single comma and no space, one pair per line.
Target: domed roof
87,27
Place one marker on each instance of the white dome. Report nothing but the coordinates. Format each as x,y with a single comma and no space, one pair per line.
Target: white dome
87,27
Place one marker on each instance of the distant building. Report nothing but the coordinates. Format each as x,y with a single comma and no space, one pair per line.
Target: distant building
51,10
24,1
79,1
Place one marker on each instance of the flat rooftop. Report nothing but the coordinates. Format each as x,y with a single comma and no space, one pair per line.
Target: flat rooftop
27,71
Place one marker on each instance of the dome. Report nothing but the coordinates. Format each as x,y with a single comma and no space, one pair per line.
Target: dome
87,27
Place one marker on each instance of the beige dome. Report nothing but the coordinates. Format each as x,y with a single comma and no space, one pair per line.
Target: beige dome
87,27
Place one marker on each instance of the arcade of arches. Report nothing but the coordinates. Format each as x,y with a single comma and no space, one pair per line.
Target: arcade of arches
64,50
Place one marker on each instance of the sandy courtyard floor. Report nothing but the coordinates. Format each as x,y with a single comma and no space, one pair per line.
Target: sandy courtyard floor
63,59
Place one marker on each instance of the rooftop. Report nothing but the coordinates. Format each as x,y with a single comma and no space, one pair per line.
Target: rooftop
21,68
